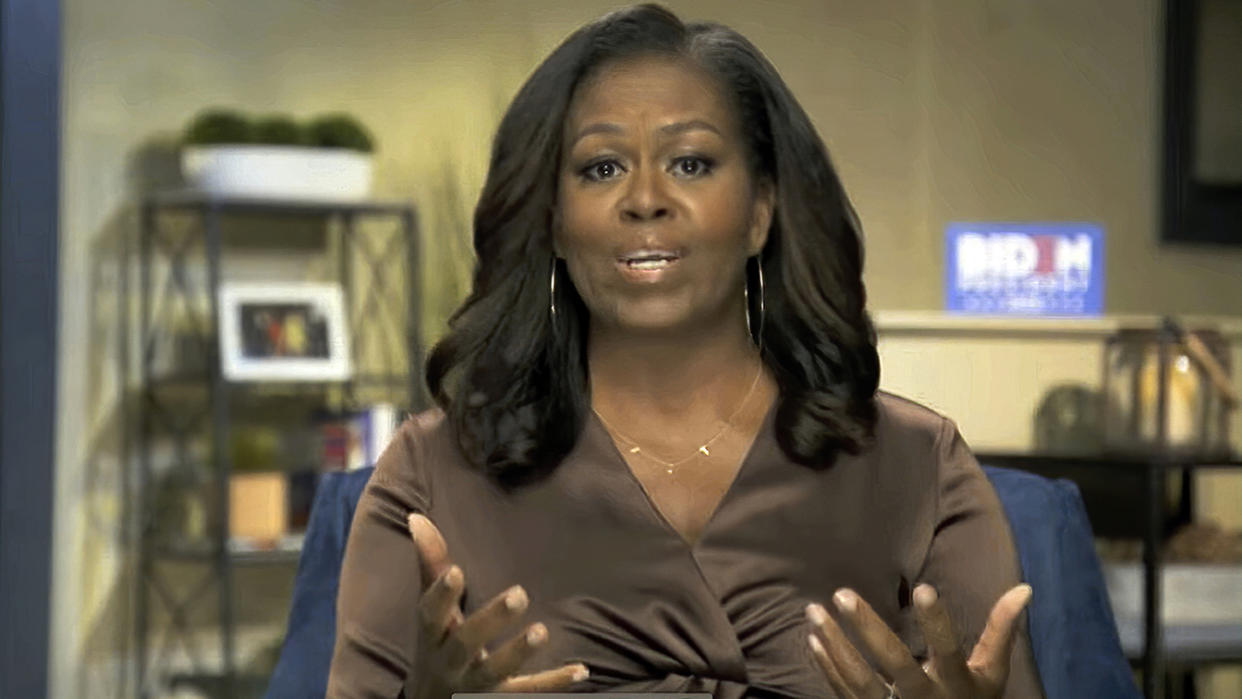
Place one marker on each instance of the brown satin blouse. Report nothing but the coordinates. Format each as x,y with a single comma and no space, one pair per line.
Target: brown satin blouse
621,591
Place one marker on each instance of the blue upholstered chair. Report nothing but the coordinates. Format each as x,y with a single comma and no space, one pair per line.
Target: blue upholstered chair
1072,629
302,671
1073,632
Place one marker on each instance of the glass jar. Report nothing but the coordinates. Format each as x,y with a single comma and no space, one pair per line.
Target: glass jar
1196,415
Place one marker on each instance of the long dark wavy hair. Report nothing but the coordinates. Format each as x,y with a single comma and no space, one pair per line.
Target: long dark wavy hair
513,381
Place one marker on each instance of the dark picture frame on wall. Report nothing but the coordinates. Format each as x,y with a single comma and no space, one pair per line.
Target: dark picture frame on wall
1201,170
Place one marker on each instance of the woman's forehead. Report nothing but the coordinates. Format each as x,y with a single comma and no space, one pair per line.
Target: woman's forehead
654,90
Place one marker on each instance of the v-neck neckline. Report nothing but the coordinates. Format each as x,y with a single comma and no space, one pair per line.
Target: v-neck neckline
765,430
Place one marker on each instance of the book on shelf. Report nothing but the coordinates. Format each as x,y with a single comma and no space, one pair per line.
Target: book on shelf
276,471
355,440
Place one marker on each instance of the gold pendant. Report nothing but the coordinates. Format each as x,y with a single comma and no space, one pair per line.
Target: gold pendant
704,450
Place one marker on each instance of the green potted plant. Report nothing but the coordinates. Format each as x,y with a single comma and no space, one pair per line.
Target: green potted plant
229,153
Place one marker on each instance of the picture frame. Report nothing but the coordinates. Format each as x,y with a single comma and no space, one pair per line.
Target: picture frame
291,332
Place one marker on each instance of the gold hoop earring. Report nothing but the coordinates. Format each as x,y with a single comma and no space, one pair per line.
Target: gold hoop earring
746,295
552,294
756,338
762,297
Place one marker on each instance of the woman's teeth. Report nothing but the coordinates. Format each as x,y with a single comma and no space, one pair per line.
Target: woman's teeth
649,264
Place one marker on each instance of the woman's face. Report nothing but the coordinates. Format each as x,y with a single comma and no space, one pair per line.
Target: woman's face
657,210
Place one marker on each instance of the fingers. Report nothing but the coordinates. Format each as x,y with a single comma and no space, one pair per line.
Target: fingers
829,668
852,670
546,681
439,609
946,674
990,658
947,664
432,551
484,625
510,657
463,641
890,653
461,650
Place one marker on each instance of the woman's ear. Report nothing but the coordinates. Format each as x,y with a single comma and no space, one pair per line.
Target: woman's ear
761,219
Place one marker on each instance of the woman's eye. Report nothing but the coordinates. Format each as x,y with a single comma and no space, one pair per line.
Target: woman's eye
691,166
601,170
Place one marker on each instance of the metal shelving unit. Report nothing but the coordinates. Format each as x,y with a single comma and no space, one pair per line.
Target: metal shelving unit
1149,642
178,407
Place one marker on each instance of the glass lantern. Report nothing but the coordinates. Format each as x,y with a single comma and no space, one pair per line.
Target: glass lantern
1196,411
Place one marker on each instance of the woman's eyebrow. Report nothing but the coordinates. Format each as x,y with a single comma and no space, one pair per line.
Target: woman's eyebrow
681,127
598,127
673,129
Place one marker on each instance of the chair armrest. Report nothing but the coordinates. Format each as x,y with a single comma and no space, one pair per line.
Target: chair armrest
1073,632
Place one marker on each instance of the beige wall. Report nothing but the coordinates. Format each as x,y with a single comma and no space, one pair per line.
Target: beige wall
934,112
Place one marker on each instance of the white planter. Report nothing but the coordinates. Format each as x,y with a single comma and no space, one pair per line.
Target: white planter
278,172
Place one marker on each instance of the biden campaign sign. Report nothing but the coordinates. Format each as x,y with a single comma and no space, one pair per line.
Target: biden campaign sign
1035,269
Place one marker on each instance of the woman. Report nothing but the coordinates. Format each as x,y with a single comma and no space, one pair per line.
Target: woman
660,444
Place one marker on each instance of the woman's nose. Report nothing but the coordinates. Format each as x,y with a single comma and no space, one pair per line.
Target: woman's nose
645,198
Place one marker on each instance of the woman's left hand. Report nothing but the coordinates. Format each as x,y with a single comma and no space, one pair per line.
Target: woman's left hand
946,675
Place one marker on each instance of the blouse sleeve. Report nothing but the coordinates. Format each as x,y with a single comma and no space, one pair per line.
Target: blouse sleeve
376,617
972,560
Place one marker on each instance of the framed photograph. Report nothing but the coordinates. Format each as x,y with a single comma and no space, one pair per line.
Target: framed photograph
283,332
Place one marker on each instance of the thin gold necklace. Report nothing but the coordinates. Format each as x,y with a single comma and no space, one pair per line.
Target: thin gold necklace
704,449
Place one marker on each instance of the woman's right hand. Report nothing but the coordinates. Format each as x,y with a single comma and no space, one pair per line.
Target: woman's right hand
452,656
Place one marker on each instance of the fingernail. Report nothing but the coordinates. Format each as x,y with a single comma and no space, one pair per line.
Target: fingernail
846,600
453,576
925,596
1028,592
816,614
536,635
515,599
581,673
816,646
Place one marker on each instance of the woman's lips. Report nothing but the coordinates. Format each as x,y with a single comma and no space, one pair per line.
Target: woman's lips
647,268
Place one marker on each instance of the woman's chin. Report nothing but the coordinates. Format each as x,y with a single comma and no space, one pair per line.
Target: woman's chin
656,322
